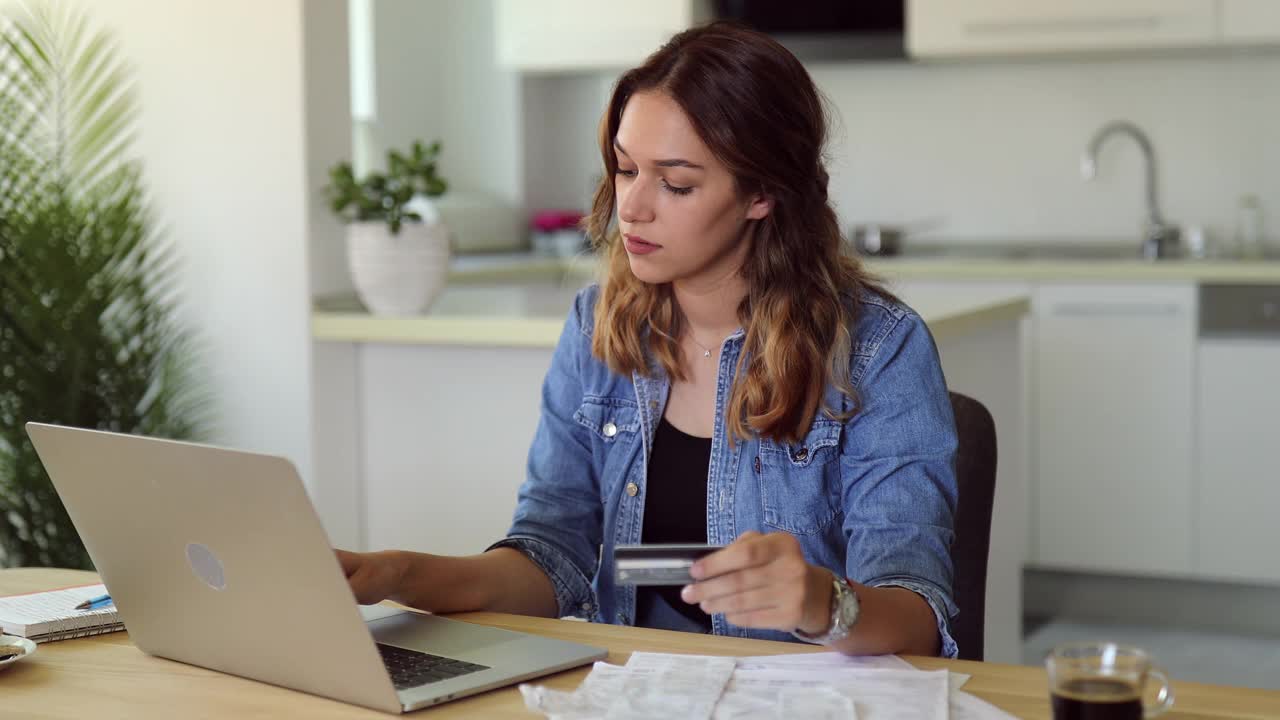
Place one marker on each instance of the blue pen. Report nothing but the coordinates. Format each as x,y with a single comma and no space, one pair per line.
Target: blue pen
95,603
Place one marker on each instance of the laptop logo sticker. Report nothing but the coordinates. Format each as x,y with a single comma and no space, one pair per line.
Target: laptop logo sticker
206,566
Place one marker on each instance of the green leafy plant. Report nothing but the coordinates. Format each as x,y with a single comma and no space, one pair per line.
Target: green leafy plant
88,333
383,196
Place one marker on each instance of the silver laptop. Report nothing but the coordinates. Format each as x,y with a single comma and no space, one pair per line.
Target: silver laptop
216,558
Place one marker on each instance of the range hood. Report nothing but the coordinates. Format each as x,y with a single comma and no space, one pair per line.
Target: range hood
825,30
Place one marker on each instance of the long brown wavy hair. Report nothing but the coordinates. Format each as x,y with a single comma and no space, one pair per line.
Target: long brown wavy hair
755,107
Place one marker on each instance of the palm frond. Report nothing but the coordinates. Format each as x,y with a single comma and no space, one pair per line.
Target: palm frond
88,328
77,88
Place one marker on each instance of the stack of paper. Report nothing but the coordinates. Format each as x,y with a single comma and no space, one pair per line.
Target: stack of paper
817,685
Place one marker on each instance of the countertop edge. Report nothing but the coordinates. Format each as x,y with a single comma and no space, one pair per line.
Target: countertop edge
1115,271
421,330
954,268
478,331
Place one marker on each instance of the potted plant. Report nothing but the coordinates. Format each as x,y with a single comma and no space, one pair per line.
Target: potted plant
397,248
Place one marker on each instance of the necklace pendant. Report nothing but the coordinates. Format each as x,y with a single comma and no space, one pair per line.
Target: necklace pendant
706,353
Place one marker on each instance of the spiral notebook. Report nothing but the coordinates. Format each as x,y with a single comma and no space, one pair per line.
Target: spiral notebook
51,614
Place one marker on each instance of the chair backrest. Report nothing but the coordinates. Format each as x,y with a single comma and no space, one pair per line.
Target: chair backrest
976,483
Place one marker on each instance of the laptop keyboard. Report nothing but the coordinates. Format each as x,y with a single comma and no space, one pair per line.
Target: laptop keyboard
410,668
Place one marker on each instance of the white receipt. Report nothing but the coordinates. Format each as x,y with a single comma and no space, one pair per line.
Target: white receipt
819,704
876,694
650,685
808,685
669,686
835,659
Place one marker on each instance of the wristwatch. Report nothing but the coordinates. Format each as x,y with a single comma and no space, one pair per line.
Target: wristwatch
844,614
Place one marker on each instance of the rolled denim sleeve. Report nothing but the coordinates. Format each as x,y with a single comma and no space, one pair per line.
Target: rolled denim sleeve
900,491
558,518
939,602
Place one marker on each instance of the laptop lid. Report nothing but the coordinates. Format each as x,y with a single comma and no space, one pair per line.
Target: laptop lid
216,557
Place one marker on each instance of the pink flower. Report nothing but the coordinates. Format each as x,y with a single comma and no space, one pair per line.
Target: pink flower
551,220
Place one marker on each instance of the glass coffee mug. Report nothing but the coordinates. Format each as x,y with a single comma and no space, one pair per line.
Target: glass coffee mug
1103,681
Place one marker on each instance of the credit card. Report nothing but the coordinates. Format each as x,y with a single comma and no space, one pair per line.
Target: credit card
657,564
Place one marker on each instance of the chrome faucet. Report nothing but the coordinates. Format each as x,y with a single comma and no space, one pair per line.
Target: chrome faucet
1160,239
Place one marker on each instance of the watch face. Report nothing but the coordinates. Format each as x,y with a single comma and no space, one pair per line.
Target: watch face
848,609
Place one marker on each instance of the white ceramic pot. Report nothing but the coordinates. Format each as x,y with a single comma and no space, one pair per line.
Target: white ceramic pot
398,274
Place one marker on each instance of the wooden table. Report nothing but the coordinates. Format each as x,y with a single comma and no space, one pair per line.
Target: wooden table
107,677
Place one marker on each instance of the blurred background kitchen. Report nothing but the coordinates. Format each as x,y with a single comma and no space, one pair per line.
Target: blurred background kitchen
1104,173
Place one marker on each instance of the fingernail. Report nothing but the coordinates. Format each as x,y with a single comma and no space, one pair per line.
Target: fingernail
686,594
695,571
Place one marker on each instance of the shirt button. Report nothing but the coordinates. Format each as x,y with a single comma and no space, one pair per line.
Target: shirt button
756,464
633,489
802,453
586,607
653,404
610,429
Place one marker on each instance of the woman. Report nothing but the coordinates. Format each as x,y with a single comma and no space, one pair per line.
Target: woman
734,380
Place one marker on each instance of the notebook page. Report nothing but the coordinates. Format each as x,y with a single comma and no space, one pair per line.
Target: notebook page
53,611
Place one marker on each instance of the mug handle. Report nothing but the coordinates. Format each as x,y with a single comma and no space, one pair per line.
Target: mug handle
1164,698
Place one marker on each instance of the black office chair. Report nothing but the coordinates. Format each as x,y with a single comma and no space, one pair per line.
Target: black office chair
976,482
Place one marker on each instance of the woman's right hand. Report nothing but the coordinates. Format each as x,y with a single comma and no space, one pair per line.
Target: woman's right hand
374,576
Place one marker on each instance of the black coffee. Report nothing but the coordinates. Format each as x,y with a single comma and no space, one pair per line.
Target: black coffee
1097,699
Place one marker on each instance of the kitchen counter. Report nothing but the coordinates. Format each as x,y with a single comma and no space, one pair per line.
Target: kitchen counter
1063,260
531,314
520,300
1263,272
1067,261
515,314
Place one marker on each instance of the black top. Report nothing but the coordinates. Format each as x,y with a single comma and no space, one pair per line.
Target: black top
675,508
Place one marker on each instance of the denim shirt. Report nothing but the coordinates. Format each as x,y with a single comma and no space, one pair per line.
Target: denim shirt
871,498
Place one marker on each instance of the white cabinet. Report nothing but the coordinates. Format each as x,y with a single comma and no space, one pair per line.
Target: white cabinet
578,35
1113,386
1238,489
446,432
942,28
1250,22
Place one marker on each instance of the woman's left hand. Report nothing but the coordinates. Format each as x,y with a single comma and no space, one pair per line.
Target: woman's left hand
763,581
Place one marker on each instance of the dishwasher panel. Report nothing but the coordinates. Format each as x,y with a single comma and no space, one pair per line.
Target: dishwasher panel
1240,311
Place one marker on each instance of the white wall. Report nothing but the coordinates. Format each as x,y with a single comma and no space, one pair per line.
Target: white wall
993,148
561,149
437,78
327,117
221,134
